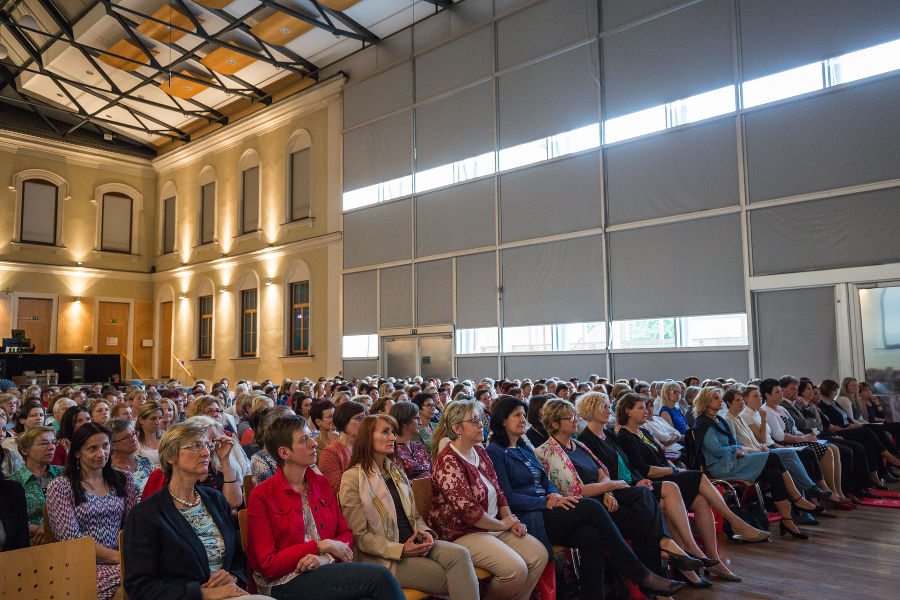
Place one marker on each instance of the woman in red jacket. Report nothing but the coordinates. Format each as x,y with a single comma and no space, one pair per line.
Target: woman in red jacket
299,545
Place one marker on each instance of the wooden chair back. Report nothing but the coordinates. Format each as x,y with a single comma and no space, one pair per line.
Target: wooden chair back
52,570
421,489
49,538
247,487
244,527
120,593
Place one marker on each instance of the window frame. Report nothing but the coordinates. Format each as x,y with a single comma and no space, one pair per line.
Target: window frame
253,313
207,319
201,241
242,221
295,306
292,218
117,194
21,230
165,218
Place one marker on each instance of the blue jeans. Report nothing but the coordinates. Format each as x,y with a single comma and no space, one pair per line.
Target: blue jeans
341,581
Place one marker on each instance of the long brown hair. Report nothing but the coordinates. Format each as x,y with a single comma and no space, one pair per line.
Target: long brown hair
364,447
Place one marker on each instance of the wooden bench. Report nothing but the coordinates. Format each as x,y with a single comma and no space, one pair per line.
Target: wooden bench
52,570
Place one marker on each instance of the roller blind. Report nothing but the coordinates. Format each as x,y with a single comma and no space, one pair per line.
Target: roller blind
476,290
542,28
208,213
531,99
301,188
677,270
39,212
366,232
456,218
434,292
557,282
250,206
796,333
828,141
679,55
379,151
396,297
778,35
559,197
168,225
116,231
477,367
360,367
360,303
616,12
454,64
677,172
565,366
651,366
455,127
378,95
849,231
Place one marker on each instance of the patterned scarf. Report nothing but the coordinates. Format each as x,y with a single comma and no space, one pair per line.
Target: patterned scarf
380,517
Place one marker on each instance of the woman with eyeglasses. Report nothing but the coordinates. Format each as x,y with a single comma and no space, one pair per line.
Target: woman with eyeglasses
427,410
92,499
180,542
147,426
36,445
411,455
124,455
299,544
335,458
469,508
210,406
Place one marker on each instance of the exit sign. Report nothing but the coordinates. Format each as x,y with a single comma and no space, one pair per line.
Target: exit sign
413,331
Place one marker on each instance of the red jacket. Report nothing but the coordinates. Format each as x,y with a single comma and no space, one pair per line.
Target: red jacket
459,497
276,529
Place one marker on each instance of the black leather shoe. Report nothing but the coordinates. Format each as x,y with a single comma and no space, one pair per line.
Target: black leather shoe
818,493
684,563
891,478
707,562
653,585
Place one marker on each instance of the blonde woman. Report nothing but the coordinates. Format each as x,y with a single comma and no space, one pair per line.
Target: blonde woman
210,406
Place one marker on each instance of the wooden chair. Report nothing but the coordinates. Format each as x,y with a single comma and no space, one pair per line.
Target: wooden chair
247,487
52,570
121,594
244,527
49,538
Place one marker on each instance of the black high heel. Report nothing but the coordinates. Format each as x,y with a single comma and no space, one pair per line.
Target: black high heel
707,562
782,528
653,585
684,563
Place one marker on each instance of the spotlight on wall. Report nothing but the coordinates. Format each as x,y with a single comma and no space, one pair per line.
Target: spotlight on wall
182,297
80,263
268,282
223,289
4,52
77,299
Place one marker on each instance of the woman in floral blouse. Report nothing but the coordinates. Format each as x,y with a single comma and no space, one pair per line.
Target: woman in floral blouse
468,508
412,455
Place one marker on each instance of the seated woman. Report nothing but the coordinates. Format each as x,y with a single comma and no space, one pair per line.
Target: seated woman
575,471
378,502
321,415
427,408
412,456
170,414
468,507
31,414
180,543
725,459
13,516
223,470
92,499
147,427
555,519
36,446
666,436
99,410
602,441
670,411
124,457
299,545
335,458
262,465
72,419
212,407
536,434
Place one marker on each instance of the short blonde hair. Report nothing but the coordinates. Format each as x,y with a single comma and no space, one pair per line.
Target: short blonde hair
176,436
201,403
260,402
668,388
704,398
25,439
458,411
588,404
554,412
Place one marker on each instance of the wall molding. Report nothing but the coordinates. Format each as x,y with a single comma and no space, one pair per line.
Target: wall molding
76,155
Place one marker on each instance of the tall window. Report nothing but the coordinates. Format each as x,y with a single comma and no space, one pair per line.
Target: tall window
300,317
250,200
300,185
168,245
206,317
207,213
115,232
248,323
39,212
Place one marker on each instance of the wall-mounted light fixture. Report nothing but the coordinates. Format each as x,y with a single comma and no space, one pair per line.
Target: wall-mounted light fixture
77,299
268,282
223,289
182,297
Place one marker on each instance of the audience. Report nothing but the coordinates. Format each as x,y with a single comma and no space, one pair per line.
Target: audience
262,465
36,446
427,411
149,431
335,458
14,527
72,419
124,455
412,456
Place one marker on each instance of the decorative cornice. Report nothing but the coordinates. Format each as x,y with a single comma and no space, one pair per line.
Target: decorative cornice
75,154
64,271
260,122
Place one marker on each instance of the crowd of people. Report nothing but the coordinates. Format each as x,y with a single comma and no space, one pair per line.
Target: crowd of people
609,470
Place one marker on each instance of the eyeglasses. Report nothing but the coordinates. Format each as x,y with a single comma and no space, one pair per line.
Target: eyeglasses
476,422
199,446
573,418
217,411
130,435
43,445
430,405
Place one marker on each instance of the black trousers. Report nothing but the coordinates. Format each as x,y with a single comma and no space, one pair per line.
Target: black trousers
589,527
810,463
872,443
773,474
855,467
639,518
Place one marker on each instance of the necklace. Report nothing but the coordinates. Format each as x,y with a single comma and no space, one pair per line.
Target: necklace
196,502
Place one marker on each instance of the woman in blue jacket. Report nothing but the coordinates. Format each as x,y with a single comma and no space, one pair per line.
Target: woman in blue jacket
725,458
582,523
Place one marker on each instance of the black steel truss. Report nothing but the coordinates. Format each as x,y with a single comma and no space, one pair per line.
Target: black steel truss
333,21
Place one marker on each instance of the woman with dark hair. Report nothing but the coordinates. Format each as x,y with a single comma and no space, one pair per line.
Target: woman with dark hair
299,544
555,519
301,402
321,416
377,499
536,434
427,409
13,514
30,415
262,465
412,456
149,431
335,458
91,499
72,419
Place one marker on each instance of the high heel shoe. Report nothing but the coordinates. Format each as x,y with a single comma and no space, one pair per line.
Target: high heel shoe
684,563
707,562
653,585
702,582
819,493
800,501
782,528
725,574
758,536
